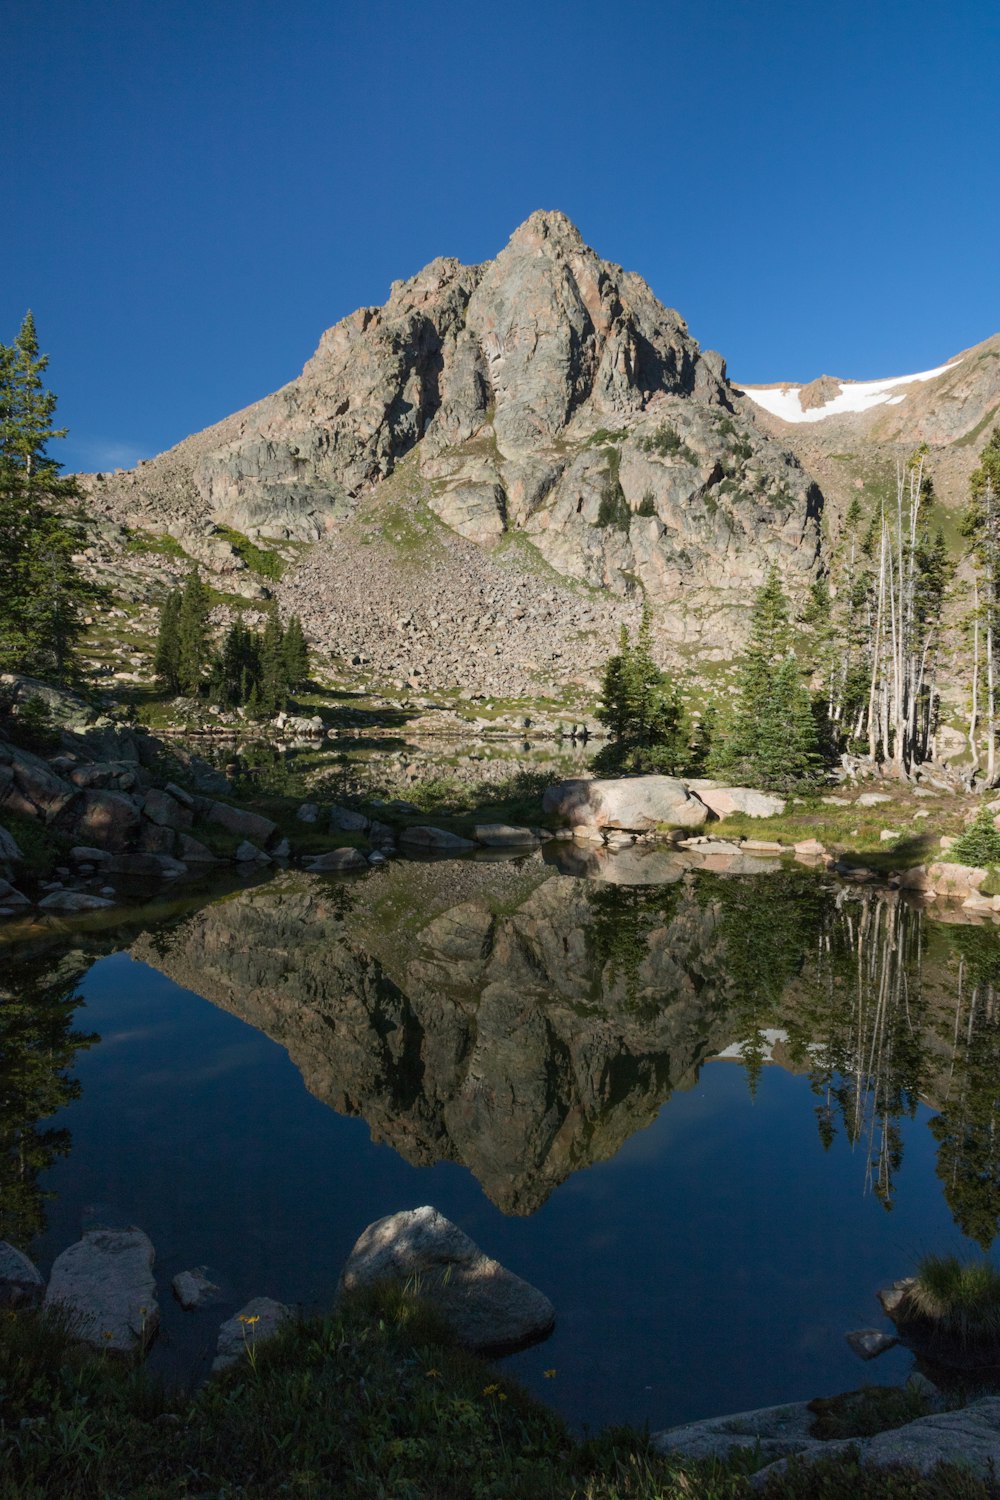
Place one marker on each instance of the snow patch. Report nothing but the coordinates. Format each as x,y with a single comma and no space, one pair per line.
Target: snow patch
853,396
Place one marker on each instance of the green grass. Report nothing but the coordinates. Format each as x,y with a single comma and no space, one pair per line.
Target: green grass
374,1400
863,1413
155,543
260,560
41,846
960,1298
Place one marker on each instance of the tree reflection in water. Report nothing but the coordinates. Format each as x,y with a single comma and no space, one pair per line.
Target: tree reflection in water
38,1001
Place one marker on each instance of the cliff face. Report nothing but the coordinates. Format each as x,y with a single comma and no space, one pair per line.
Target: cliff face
546,393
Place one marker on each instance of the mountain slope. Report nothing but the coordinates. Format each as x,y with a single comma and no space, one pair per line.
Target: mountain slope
546,394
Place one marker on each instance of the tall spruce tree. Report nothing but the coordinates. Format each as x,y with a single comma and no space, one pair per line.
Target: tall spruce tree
192,628
774,740
41,589
166,661
642,708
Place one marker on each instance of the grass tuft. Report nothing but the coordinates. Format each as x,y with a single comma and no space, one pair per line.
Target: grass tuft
960,1298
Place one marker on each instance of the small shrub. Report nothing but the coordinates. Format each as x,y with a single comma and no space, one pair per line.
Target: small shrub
979,844
613,510
960,1298
30,725
647,505
875,1408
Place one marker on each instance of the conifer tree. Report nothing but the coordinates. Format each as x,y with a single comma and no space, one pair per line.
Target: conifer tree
166,661
41,589
192,634
774,740
642,709
273,689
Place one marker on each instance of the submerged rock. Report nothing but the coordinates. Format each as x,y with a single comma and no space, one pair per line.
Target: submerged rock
869,1343
488,1307
193,1288
105,1284
336,859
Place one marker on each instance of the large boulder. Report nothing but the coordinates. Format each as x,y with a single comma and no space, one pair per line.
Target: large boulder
72,902
105,1284
488,1308
242,824
637,803
336,860
726,800
504,836
20,1281
10,849
162,808
427,840
240,1335
108,819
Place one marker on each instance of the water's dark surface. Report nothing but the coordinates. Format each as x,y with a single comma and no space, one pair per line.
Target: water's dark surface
533,1054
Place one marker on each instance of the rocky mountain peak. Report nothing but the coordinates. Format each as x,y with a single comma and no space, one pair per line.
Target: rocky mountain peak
546,392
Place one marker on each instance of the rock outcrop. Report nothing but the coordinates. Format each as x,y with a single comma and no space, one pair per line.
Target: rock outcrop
105,1285
545,393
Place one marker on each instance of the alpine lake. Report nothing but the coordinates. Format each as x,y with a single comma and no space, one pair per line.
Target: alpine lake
708,1114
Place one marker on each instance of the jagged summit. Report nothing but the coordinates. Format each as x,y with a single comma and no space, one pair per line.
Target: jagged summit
546,392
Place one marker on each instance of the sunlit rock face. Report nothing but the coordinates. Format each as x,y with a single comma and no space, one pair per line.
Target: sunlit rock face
546,392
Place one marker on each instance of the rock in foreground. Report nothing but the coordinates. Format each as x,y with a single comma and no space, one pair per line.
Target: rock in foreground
254,1324
105,1283
636,803
20,1281
488,1308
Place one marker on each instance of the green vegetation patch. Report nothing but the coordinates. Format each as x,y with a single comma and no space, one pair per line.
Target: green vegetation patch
260,560
960,1298
159,544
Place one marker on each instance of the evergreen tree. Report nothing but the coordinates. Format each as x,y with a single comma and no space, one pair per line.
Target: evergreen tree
296,654
166,661
774,740
642,709
273,688
41,589
192,629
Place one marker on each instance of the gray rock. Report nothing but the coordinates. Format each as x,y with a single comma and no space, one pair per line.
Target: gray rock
193,1288
503,836
281,850
81,854
638,803
192,851
105,1283
872,799
487,1306
346,820
969,1437
869,1343
434,840
248,853
726,800
243,824
308,812
10,850
163,809
11,896
772,1431
20,1279
252,1326
73,901
336,860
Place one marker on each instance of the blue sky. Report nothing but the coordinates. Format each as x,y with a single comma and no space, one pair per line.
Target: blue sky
194,191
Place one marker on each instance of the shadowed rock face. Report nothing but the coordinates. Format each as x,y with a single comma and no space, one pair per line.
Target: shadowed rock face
546,391
501,1038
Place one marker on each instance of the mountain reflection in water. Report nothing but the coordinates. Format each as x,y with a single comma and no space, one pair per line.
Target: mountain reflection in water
526,1024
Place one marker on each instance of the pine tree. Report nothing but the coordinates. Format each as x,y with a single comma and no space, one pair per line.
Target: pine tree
41,589
192,634
166,662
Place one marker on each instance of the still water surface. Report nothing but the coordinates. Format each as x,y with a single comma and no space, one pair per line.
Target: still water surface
538,1056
